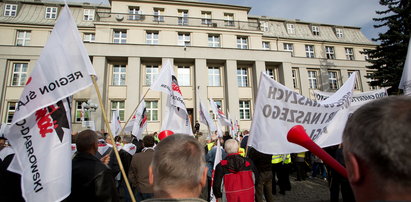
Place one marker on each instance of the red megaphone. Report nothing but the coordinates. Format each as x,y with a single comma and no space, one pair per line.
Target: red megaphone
298,136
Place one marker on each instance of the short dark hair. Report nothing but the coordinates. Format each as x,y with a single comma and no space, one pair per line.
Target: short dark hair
148,141
86,140
379,133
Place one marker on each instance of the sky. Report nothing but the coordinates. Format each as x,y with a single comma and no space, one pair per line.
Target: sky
358,13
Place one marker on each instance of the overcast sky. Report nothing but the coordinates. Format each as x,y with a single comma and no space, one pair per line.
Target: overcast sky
357,13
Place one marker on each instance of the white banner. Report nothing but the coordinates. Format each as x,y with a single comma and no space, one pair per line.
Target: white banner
279,108
405,82
205,117
176,120
222,119
140,122
115,125
40,131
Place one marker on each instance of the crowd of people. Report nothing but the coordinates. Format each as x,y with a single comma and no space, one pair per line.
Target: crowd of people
178,167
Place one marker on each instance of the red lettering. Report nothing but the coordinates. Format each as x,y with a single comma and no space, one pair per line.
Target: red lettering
44,122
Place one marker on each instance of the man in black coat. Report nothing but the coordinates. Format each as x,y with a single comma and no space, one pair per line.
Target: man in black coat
91,179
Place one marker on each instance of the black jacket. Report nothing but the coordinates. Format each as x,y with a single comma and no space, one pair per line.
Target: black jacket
91,180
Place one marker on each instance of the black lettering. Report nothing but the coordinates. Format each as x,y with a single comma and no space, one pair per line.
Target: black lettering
287,95
37,186
25,131
33,160
284,114
52,87
281,92
301,101
267,110
276,114
63,81
298,119
308,102
294,101
78,74
30,151
291,118
271,92
325,116
36,176
44,90
70,77
28,144
316,117
307,118
20,124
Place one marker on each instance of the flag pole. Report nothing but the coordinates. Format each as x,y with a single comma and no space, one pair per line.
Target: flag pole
103,111
135,109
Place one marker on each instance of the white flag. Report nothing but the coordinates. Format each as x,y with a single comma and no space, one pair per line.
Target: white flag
217,159
176,119
40,130
219,114
115,125
140,123
279,108
3,129
205,115
405,82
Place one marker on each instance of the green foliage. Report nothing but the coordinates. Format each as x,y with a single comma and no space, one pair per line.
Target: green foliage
388,58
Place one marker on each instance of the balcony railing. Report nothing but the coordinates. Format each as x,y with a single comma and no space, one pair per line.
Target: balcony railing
178,21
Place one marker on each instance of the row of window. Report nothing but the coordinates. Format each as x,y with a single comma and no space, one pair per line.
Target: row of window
329,51
152,109
10,10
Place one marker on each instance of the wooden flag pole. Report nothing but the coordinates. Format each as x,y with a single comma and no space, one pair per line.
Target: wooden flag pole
103,111
132,114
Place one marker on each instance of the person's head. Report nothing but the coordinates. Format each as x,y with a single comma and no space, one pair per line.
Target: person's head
178,168
127,139
246,132
87,142
231,146
377,139
2,141
117,139
148,141
108,139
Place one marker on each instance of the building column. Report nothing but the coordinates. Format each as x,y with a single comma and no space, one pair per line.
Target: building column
305,86
231,88
201,80
259,66
133,86
286,77
3,85
100,64
324,79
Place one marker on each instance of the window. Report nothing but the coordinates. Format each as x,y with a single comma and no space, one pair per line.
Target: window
88,14
184,39
309,51
151,37
119,75
357,79
349,53
183,75
289,47
219,106
118,106
329,52
229,19
313,79
89,37
11,108
206,18
295,76
290,28
242,77
366,56
264,26
245,111
271,72
23,38
152,110
51,13
214,76
315,30
266,45
339,32
80,111
151,74
183,19
242,42
19,74
213,40
120,36
333,80
369,80
157,15
134,13
10,10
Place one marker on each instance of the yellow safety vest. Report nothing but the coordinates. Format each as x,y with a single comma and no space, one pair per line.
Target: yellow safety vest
210,146
241,151
277,159
287,159
302,155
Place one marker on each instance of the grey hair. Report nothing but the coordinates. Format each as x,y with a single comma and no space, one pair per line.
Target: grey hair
379,133
231,146
127,138
178,162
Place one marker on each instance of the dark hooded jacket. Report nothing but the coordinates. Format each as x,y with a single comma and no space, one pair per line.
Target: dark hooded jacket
232,176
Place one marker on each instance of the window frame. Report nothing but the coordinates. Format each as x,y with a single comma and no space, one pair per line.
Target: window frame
52,13
134,13
25,40
89,14
313,79
272,72
309,51
212,76
21,75
290,28
333,81
89,37
152,40
330,52
243,110
10,112
264,26
77,111
116,105
229,19
120,37
183,38
151,76
287,46
157,14
295,74
182,76
150,109
11,11
213,42
349,53
243,79
206,18
339,33
266,47
119,80
183,17
315,30
242,42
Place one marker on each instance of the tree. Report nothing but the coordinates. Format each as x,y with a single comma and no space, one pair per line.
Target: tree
388,58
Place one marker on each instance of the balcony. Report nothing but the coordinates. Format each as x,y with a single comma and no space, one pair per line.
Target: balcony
176,21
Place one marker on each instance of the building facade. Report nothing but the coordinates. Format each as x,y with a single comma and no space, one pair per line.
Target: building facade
218,49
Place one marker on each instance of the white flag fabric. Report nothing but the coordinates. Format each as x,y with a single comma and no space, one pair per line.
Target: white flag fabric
205,117
3,129
115,125
219,114
40,131
140,123
405,82
217,159
130,148
176,119
279,108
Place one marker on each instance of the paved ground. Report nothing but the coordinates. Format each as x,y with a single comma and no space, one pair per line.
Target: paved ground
310,190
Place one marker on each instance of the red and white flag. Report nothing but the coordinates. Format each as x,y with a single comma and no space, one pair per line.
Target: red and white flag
40,131
115,124
219,114
204,115
176,116
140,123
